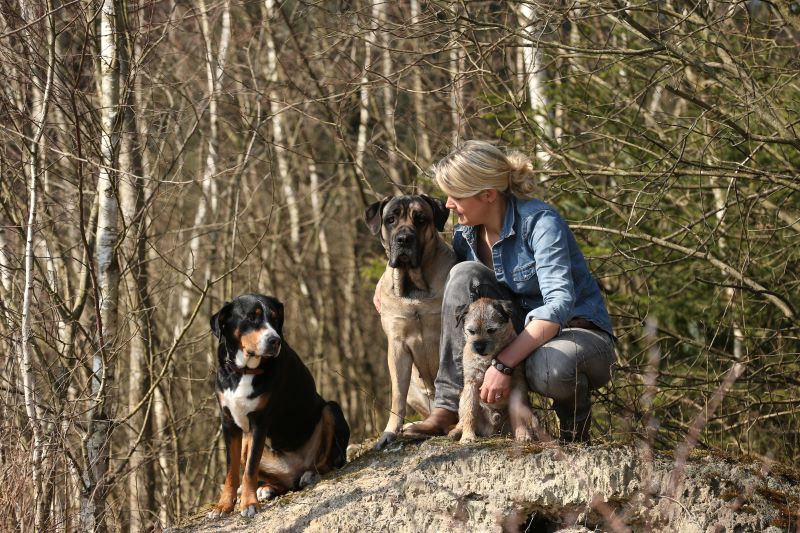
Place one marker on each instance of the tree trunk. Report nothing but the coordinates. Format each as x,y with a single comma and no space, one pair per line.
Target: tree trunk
40,103
363,110
98,434
279,141
215,67
534,76
141,482
456,85
379,18
421,127
325,286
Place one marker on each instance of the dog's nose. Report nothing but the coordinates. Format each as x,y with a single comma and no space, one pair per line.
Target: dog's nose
274,341
479,347
405,239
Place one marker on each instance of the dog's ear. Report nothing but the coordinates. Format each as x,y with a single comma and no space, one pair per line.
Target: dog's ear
461,314
372,216
505,308
218,319
276,314
440,212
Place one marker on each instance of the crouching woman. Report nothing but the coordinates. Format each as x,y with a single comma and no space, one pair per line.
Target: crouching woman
515,247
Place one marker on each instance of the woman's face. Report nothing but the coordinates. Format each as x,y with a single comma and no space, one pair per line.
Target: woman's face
472,210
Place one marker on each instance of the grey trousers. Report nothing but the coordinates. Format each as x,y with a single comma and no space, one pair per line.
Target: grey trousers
566,368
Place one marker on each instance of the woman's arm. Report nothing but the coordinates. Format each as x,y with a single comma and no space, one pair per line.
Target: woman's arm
376,298
536,333
550,246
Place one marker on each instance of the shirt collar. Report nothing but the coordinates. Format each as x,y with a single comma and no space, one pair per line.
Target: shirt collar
510,218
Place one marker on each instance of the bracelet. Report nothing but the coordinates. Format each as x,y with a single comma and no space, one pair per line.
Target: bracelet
507,370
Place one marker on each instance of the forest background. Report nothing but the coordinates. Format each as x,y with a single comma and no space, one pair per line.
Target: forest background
161,157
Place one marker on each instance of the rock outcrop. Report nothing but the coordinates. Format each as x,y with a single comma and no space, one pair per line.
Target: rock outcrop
498,485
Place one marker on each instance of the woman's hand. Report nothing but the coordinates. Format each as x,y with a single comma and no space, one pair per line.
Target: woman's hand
496,386
376,298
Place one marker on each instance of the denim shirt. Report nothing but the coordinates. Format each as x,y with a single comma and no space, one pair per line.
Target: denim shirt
538,258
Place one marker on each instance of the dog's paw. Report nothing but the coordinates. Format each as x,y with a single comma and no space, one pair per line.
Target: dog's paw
265,493
466,438
249,511
308,478
386,438
218,513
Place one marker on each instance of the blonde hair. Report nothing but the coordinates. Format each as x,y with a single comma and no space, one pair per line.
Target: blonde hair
475,166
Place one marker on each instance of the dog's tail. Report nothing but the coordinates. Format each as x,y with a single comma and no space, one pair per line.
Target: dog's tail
341,436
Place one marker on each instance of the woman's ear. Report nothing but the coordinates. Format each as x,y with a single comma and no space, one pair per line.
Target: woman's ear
489,195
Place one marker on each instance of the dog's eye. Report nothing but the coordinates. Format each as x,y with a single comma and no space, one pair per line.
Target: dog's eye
471,331
491,331
254,315
419,218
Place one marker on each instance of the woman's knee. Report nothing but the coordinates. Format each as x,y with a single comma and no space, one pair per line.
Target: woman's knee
462,274
551,373
466,278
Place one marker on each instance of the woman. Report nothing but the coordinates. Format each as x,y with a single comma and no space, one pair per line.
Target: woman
511,246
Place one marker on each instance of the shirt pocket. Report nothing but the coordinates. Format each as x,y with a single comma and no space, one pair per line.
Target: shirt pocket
524,272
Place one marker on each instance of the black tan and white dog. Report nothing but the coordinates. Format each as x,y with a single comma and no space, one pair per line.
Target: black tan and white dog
411,298
274,422
488,329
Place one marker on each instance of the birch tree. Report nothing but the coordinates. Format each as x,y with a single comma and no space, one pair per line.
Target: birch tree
380,20
141,482
279,147
534,75
456,66
363,107
422,135
41,100
97,439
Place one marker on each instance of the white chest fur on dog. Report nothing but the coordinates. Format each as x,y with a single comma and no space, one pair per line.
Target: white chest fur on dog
239,402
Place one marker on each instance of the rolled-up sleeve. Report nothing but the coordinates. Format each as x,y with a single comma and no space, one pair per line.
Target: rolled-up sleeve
550,245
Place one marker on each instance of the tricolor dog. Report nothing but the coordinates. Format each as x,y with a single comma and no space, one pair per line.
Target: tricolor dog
411,298
275,424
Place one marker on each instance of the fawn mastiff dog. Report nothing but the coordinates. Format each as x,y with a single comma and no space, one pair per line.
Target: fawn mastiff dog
411,298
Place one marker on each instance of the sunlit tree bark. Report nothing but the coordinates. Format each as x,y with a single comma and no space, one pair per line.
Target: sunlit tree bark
279,148
40,96
103,390
534,74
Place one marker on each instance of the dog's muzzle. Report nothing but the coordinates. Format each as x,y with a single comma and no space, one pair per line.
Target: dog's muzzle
479,347
262,343
404,251
271,349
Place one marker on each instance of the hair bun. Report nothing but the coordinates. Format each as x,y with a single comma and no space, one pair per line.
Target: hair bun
521,179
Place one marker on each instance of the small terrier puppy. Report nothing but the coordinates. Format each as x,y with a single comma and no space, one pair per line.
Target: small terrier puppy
487,330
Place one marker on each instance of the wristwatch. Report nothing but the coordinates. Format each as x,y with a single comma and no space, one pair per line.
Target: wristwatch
507,370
